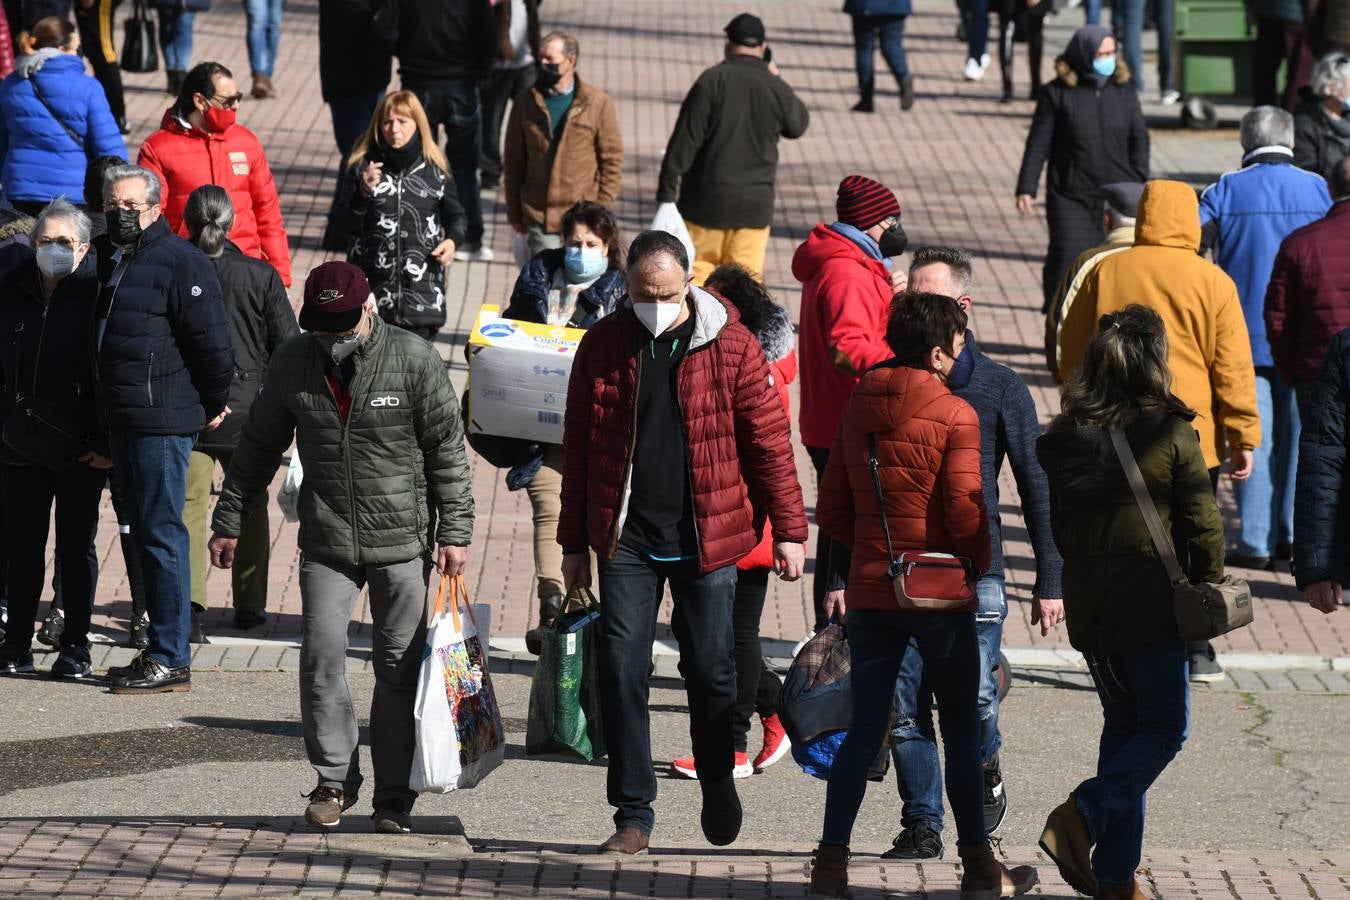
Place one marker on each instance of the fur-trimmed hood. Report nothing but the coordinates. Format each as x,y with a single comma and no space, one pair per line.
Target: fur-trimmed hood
774,333
1069,75
16,228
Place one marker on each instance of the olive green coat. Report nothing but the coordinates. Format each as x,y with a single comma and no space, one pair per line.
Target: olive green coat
377,490
1116,592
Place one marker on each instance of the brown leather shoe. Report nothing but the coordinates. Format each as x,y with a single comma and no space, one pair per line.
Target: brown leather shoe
829,873
628,840
1130,891
983,877
1066,840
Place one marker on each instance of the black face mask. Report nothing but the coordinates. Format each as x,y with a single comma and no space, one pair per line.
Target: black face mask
124,227
893,241
549,75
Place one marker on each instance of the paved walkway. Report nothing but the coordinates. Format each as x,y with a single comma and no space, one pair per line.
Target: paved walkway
952,160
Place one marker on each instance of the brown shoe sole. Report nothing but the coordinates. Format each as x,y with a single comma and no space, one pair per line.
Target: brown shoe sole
1061,853
165,689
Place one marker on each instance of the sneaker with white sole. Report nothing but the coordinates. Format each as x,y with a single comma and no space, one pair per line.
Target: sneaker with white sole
474,253
776,743
973,71
995,797
15,661
1205,668
1170,98
685,767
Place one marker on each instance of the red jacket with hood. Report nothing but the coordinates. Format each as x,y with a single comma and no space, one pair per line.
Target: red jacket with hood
185,158
846,296
737,436
928,459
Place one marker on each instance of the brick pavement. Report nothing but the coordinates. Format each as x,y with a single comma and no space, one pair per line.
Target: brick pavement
245,857
952,160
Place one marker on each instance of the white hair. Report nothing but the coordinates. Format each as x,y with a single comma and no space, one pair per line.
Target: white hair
1329,78
1267,126
63,209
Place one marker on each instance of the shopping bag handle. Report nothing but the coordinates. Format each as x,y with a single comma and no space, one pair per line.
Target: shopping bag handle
583,597
458,592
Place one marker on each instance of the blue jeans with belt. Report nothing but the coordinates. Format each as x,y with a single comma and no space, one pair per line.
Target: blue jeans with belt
456,105
264,34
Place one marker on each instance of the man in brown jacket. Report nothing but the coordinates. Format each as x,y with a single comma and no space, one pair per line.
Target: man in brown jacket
562,145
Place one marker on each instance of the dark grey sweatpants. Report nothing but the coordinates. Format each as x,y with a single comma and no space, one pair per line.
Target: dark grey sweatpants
329,593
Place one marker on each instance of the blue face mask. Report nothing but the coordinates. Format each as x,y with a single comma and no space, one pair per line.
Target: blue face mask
1104,67
585,263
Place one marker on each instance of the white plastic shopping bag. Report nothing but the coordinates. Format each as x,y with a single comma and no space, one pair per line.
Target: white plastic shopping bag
519,250
288,497
668,218
460,738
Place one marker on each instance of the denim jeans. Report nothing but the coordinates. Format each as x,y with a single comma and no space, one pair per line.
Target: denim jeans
351,116
1127,20
1092,10
975,19
878,641
1266,500
455,105
264,33
918,773
1145,699
153,472
175,38
892,32
631,587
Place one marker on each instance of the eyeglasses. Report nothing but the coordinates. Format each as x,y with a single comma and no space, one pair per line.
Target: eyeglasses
115,205
230,102
68,243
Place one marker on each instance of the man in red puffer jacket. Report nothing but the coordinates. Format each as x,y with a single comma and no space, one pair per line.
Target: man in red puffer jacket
677,447
199,143
845,271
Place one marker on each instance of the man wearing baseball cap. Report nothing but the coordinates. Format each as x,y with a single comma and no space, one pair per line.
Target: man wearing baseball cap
845,271
722,158
386,496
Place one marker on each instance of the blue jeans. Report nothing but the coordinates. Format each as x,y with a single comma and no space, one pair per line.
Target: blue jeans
918,773
1092,9
175,37
351,117
975,20
264,33
878,641
1266,500
865,31
1146,711
1127,20
631,586
153,472
455,104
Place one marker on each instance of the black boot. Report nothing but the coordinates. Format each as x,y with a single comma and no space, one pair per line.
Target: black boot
548,613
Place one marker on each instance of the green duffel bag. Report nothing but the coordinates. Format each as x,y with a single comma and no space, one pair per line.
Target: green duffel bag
565,693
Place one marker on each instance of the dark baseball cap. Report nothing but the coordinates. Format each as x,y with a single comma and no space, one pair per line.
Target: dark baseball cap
334,295
1123,196
745,30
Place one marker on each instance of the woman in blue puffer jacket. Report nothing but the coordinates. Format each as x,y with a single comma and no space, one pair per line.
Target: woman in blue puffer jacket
53,119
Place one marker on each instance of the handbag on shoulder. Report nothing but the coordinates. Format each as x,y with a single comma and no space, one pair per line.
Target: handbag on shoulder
924,581
1202,611
138,47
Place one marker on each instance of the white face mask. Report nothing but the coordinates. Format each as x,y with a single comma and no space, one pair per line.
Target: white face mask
657,317
55,260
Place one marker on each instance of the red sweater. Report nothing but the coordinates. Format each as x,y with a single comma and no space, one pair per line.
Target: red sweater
846,296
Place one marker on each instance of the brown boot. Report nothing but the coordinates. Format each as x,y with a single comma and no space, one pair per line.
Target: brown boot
1066,840
1130,891
628,841
983,876
549,608
829,873
262,87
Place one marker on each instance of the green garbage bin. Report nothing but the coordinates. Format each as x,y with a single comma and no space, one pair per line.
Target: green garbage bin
1213,42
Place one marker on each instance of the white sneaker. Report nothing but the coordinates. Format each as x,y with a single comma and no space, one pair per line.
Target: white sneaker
1171,98
984,62
974,71
474,254
797,647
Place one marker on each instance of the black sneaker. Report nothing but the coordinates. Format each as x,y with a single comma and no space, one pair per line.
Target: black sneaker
1284,552
149,676
244,619
864,105
326,806
52,628
1205,666
195,634
995,799
915,842
14,661
1246,561
139,632
390,818
72,664
907,93
4,616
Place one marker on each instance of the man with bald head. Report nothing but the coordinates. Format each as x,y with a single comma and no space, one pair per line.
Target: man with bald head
677,449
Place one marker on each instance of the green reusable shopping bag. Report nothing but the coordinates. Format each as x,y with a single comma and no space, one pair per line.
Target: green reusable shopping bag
565,693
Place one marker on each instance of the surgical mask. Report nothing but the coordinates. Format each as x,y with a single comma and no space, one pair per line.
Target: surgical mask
124,227
585,263
893,241
1104,66
217,119
341,346
549,75
55,260
657,317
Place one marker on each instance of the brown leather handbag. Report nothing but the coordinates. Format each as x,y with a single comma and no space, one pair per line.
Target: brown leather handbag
924,581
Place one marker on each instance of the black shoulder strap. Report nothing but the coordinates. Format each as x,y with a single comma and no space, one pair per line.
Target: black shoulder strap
37,92
881,498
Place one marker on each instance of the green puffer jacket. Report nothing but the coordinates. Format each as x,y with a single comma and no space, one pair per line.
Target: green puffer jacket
373,491
1116,592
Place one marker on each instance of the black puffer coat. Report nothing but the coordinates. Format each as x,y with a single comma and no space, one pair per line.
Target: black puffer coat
393,231
1321,510
260,319
1319,140
529,298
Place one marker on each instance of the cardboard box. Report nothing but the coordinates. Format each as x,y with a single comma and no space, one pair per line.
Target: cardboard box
518,374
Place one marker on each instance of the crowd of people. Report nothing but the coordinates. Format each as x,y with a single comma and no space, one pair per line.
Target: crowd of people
153,339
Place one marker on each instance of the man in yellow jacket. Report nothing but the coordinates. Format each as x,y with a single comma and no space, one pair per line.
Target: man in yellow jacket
1210,353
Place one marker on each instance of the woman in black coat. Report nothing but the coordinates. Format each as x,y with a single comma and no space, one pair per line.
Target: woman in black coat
1321,121
1089,126
47,394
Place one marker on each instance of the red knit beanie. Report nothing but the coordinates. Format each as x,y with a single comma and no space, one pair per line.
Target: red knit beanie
863,202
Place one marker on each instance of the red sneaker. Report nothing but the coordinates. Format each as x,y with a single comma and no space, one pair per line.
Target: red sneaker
776,744
685,767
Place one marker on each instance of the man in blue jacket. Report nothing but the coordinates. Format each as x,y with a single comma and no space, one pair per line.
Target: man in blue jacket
164,364
1245,216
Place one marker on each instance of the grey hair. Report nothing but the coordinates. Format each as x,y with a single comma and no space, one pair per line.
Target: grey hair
123,173
955,259
63,209
1117,218
1267,126
210,216
1331,73
651,244
571,47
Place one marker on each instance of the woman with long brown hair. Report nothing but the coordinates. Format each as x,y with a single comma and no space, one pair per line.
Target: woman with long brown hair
403,215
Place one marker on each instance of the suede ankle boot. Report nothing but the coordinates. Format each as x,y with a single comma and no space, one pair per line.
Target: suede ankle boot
983,877
829,873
